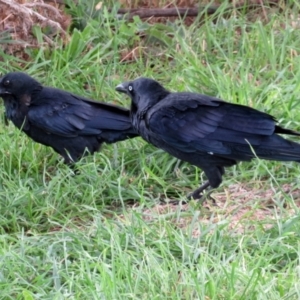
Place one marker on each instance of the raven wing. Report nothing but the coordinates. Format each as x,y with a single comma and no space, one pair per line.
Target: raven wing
193,122
65,114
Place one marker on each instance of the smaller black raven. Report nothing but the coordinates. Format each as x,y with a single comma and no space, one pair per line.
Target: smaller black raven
68,123
205,131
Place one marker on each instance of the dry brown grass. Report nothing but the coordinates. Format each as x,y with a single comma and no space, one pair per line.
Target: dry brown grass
160,3
163,4
242,206
19,17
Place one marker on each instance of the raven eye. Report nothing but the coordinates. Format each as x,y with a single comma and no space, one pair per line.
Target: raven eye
130,88
6,83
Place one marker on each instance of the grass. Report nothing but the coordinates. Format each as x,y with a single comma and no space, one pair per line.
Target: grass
105,234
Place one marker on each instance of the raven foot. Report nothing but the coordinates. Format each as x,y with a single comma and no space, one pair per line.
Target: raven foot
200,196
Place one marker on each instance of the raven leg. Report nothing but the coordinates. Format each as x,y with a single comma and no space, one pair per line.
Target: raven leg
200,196
198,193
214,176
71,164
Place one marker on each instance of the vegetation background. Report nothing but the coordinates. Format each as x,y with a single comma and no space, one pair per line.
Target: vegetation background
110,233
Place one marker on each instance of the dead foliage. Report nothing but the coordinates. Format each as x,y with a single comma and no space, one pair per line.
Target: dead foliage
243,206
161,11
20,16
164,11
162,5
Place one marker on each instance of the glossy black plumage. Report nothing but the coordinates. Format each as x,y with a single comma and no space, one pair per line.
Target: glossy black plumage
68,123
205,131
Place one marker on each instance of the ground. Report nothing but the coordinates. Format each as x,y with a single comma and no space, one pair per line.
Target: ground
109,232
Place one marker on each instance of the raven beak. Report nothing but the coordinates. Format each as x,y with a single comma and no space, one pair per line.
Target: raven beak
122,88
4,92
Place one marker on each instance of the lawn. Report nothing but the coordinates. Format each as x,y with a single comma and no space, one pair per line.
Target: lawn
110,232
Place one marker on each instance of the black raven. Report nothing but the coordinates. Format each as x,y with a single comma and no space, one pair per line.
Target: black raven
68,123
205,131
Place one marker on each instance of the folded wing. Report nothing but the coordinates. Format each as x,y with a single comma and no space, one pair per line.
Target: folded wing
193,122
68,115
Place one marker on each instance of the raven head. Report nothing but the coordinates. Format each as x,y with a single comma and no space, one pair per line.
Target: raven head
144,92
18,85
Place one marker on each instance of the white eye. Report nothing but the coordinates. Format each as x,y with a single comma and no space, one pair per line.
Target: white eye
130,88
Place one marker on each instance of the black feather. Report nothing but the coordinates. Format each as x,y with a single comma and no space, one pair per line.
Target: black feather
68,123
205,131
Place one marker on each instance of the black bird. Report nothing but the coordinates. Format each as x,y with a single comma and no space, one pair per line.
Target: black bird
68,123
205,131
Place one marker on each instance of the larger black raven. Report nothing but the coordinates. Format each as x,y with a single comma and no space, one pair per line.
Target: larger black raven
205,131
70,124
